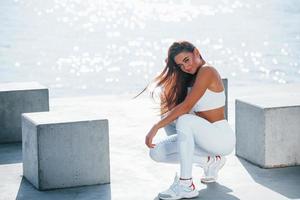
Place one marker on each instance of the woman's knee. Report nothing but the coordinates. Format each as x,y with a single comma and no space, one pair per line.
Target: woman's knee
156,154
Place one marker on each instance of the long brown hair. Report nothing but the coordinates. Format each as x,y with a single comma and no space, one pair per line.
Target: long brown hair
172,80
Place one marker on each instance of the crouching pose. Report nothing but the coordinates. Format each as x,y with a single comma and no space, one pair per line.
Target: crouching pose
192,110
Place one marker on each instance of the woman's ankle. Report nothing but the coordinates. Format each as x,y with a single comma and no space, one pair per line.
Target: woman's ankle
185,179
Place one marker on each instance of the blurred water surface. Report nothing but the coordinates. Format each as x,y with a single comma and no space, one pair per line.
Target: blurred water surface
92,47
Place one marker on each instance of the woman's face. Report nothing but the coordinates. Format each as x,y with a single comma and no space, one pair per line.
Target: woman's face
188,62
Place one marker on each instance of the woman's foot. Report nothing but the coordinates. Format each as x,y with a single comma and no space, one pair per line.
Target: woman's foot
180,189
212,169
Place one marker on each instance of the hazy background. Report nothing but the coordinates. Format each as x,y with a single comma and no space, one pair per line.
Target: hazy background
94,47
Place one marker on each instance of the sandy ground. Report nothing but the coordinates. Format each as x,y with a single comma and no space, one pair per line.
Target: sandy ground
133,174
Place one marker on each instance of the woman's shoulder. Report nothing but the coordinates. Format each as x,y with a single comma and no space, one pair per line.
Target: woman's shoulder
215,77
208,69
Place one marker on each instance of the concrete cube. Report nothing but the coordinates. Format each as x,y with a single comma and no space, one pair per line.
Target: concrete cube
268,130
65,149
15,99
225,83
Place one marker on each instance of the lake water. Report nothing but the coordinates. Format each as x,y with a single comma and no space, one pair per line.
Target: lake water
94,47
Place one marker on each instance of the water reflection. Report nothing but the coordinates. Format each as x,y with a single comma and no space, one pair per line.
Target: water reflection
116,46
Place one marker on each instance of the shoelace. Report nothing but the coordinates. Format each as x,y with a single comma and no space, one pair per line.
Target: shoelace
174,187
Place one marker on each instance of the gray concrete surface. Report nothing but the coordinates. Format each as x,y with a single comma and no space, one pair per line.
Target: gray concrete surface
134,175
15,99
65,149
271,124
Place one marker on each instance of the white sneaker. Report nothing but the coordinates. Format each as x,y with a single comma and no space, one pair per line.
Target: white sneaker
179,189
212,169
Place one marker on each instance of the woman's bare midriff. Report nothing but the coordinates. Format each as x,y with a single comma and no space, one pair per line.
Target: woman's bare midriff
212,115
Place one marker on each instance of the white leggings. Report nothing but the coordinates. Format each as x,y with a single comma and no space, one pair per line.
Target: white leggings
191,139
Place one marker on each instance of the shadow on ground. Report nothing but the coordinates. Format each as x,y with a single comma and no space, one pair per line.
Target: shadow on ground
28,191
285,181
10,153
214,191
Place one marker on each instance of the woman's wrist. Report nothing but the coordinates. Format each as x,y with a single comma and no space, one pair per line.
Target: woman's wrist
156,126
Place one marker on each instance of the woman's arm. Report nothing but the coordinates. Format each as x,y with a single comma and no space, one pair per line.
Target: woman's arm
203,80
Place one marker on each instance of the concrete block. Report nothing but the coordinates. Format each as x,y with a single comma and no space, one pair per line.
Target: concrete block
65,149
225,83
268,129
15,99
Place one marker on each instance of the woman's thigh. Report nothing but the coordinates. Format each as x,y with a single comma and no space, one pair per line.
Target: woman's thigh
211,137
169,146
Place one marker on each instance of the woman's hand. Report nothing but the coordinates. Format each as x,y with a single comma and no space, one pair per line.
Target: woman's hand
150,136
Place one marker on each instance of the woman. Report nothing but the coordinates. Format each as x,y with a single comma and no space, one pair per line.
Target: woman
192,109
